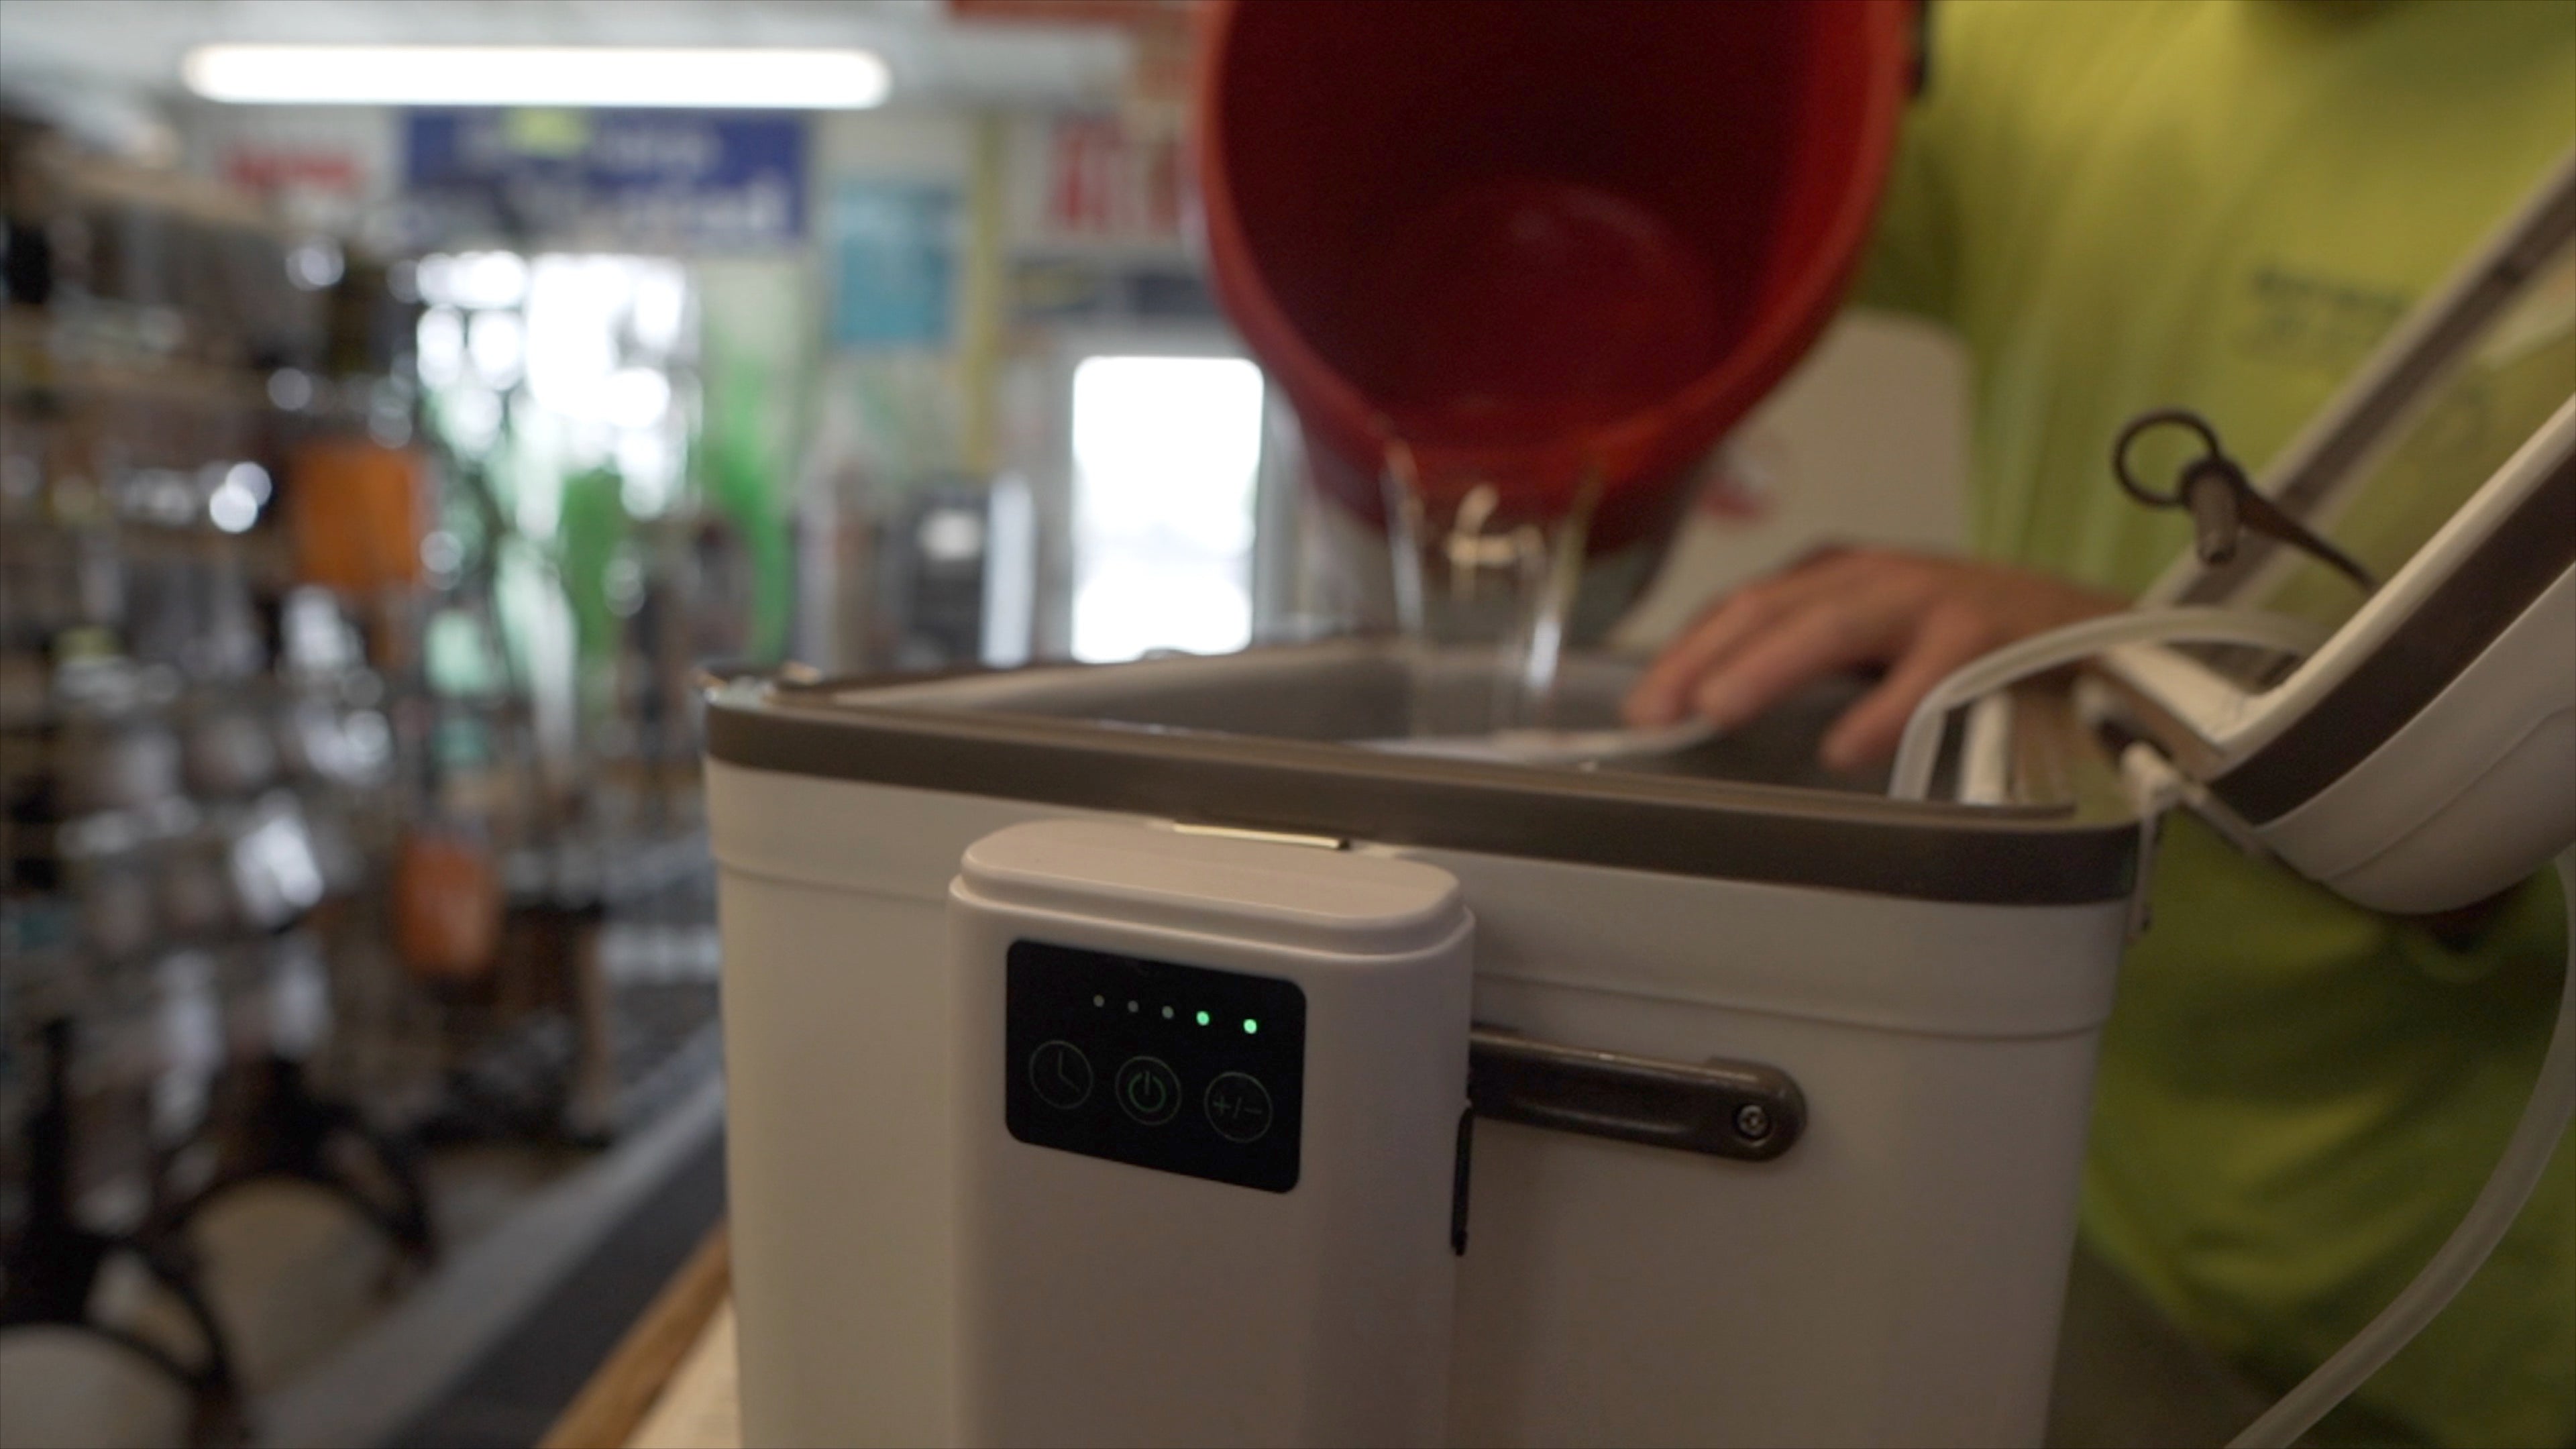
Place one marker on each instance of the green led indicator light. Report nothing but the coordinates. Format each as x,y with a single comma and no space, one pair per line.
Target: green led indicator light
1250,1026
1167,1013
1203,1018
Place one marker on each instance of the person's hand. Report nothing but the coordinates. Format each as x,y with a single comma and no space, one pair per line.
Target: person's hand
1917,616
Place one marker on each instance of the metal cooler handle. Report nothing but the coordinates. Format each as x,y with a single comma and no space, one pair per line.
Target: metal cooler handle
1724,1109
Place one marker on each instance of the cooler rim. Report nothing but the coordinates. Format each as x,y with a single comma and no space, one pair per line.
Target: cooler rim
1768,834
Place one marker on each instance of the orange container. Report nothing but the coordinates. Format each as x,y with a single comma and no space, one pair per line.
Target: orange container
358,511
1538,239
446,904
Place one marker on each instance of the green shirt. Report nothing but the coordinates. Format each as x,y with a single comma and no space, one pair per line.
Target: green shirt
2224,204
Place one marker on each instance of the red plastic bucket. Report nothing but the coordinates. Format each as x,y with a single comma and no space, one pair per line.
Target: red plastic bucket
1534,239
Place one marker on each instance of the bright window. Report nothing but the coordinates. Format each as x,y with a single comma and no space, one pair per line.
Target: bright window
1164,452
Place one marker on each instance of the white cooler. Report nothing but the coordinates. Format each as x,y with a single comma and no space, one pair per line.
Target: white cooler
1779,1085
1911,995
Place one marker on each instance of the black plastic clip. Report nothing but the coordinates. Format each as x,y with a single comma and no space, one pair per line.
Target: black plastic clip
2223,503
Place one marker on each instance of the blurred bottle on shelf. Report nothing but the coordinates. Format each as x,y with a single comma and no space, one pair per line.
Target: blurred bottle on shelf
358,511
446,903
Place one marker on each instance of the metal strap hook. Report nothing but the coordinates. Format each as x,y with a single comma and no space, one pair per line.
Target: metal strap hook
2222,501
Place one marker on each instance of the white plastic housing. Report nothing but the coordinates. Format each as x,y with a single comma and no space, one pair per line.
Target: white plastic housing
2471,795
1107,1303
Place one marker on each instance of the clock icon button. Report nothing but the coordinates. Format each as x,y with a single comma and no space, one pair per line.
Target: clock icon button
1061,1074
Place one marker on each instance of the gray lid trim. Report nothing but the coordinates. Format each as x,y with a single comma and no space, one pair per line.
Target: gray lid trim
2490,589
1677,826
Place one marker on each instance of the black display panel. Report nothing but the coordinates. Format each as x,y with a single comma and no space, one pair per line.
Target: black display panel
1159,1065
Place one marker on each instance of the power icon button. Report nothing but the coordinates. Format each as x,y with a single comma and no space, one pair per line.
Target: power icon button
1148,1091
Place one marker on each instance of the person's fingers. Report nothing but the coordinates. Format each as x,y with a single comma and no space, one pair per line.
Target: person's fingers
1839,608
1822,636
1662,695
1868,732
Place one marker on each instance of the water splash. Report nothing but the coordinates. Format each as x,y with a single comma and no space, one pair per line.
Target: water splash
1481,597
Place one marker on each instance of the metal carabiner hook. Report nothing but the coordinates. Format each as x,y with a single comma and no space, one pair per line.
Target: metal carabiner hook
2222,501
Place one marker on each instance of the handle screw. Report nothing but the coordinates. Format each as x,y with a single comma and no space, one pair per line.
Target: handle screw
1752,1122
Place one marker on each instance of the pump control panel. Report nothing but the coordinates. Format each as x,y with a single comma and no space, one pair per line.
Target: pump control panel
1206,1117
1155,1064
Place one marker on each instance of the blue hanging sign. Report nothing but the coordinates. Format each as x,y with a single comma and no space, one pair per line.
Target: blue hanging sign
689,181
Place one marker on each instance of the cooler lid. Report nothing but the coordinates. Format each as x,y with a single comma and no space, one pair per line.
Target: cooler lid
2462,656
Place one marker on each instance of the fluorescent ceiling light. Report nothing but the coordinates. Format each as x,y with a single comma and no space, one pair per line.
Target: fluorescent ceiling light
531,75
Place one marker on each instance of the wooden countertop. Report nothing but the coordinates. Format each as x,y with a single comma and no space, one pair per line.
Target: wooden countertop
670,1383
